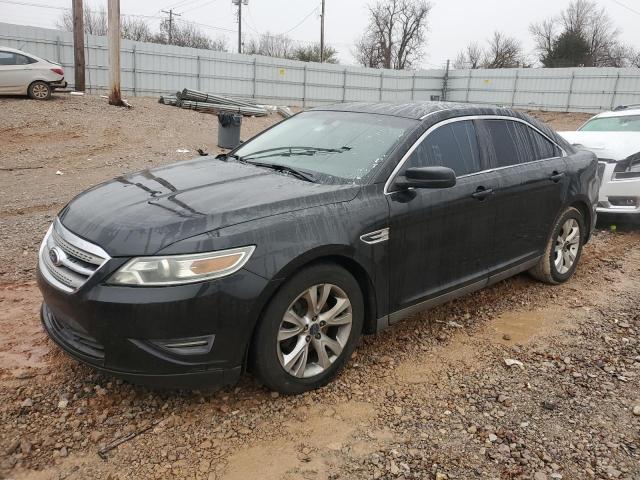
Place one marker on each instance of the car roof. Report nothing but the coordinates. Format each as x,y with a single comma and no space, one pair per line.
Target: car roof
12,50
624,112
413,110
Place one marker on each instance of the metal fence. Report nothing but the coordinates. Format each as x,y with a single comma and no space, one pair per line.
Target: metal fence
152,69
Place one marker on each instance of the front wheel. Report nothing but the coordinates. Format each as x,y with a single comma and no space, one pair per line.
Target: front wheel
309,330
563,250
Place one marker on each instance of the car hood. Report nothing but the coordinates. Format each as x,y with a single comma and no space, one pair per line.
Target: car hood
606,145
142,213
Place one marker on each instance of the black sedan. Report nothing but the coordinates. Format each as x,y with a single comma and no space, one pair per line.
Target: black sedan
336,222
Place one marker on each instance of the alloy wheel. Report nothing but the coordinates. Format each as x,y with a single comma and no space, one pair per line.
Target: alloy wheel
314,330
567,245
40,91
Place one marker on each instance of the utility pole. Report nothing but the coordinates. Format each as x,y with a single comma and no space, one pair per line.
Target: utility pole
445,83
113,36
78,44
171,14
322,33
239,3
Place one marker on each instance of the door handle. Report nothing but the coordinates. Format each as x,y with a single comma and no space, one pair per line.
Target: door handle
481,193
556,176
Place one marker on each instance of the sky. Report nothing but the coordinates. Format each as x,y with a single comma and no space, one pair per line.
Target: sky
452,23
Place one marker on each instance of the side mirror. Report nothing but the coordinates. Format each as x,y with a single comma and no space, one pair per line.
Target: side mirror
426,177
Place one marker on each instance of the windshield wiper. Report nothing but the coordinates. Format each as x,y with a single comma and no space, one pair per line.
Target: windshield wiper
284,168
293,150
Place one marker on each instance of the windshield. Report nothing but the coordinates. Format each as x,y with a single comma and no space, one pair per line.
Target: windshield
628,123
334,147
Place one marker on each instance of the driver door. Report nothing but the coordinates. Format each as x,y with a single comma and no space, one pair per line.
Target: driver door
441,239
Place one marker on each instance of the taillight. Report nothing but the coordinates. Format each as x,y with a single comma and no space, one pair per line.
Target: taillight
59,71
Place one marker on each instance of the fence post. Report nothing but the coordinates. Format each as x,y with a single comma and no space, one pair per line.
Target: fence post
198,72
515,88
381,84
304,87
615,92
344,85
255,76
573,76
59,57
133,64
413,86
466,99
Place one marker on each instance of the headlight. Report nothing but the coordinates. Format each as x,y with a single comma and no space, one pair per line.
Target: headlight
179,269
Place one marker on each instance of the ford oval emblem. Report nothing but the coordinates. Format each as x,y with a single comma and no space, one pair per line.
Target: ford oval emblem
55,257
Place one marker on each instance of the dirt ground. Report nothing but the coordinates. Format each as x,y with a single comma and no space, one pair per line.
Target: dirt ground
430,398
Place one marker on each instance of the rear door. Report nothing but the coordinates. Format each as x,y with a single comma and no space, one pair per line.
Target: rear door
439,238
15,72
532,188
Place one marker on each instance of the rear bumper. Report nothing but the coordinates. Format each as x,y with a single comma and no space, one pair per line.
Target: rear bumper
59,84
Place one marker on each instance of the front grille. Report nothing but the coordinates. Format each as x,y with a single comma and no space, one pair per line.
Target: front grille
68,261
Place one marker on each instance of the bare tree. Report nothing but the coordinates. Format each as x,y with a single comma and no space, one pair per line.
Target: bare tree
271,46
311,53
471,57
95,21
395,35
586,20
186,34
501,51
135,29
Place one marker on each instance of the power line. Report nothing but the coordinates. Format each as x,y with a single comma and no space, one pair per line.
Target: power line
626,6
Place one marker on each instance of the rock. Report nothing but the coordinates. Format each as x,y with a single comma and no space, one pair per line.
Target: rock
13,446
204,466
63,403
63,452
441,476
539,476
25,446
492,437
506,336
206,445
511,362
613,472
624,325
636,410
504,449
393,468
472,429
96,436
27,403
275,394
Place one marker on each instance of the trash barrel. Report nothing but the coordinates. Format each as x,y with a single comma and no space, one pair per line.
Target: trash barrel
229,129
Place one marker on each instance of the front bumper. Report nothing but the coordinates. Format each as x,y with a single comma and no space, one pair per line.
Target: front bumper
618,196
133,332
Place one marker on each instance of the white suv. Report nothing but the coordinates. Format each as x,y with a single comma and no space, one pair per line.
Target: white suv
25,74
615,138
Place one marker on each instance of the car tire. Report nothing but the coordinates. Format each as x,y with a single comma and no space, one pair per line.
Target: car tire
286,348
39,90
563,250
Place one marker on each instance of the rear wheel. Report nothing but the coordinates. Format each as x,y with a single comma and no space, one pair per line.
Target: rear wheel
40,90
563,250
309,330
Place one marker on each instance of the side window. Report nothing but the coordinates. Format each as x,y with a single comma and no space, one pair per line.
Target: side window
513,143
7,58
542,147
24,60
508,144
453,145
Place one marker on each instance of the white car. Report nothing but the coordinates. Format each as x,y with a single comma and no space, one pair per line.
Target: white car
615,138
25,74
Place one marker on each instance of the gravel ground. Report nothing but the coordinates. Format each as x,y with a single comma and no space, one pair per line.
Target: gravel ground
429,398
